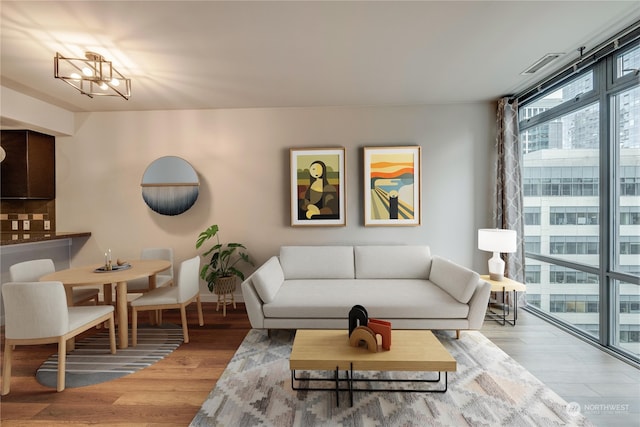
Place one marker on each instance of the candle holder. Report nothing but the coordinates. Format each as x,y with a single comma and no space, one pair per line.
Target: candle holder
107,261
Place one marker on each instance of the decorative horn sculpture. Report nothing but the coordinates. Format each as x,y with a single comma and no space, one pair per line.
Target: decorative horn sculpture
357,317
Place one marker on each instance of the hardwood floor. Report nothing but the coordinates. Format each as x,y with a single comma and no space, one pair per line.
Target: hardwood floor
170,392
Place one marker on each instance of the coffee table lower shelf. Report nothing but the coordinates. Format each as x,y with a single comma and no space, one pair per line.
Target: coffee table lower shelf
329,351
350,379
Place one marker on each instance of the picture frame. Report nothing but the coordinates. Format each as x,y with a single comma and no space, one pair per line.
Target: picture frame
392,186
318,190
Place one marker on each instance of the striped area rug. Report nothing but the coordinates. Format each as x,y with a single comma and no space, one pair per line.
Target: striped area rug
489,388
91,362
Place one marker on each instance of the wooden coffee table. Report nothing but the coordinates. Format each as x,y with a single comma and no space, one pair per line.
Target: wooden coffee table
329,350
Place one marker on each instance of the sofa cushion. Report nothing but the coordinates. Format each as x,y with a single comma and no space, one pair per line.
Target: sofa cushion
268,279
392,262
383,299
458,281
317,262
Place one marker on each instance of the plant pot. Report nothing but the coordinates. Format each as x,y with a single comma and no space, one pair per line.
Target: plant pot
222,287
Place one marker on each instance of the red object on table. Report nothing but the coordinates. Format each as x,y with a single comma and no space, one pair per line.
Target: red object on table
383,328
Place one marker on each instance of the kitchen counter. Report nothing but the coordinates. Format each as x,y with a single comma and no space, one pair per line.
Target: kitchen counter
23,246
14,238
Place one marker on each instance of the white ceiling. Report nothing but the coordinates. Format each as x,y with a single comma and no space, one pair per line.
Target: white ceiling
237,54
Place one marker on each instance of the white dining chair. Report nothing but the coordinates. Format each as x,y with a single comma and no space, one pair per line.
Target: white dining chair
31,271
37,313
183,293
164,278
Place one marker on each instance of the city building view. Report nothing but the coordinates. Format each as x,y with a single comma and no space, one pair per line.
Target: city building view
565,211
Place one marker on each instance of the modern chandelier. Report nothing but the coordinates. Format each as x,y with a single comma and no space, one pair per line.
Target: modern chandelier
92,75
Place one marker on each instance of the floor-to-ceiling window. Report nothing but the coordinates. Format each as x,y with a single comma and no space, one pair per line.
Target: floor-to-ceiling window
581,183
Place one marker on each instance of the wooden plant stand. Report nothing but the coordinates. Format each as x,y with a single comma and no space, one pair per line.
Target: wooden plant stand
222,287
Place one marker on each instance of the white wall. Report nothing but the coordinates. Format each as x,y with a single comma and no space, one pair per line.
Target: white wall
242,159
19,111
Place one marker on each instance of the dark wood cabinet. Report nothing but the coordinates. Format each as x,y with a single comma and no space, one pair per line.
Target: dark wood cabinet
29,168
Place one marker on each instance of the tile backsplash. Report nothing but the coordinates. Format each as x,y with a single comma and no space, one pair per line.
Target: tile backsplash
32,216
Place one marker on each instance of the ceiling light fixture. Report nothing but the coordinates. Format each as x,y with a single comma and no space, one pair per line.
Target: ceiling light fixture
92,75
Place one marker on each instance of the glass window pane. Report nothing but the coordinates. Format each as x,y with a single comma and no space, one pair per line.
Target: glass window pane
565,170
627,315
567,92
628,62
532,244
627,189
564,293
532,216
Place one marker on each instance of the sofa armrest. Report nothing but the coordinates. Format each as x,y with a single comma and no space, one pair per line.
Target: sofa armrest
478,304
253,304
261,287
267,279
456,280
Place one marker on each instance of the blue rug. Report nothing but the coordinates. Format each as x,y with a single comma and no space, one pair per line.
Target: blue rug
92,362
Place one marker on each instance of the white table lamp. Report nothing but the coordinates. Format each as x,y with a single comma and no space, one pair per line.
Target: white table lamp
497,241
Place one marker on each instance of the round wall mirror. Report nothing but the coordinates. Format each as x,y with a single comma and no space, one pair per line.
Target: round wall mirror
170,185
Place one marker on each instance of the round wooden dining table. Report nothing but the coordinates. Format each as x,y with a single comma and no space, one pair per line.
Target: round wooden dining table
89,275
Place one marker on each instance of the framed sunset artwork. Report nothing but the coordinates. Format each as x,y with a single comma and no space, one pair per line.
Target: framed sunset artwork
318,187
392,177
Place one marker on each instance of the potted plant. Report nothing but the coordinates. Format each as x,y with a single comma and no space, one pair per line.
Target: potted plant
221,268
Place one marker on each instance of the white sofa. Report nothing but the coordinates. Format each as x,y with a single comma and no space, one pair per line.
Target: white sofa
312,287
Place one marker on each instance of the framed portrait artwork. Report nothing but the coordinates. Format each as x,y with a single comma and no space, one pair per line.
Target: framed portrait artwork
392,178
318,186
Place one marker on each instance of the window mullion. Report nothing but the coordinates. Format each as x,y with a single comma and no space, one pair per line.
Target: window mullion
607,194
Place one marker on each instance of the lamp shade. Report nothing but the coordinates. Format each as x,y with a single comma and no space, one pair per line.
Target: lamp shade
496,240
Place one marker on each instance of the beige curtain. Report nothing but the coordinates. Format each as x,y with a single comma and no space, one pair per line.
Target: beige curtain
509,211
